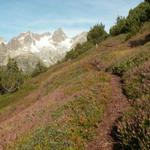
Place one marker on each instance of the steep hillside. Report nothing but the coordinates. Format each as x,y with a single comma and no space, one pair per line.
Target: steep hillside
96,98
75,104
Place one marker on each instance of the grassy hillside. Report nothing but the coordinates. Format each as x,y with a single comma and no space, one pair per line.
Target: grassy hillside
86,86
65,107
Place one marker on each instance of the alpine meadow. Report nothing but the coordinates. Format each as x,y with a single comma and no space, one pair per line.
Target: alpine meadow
87,91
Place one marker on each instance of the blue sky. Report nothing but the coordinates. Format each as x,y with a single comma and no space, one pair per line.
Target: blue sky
73,16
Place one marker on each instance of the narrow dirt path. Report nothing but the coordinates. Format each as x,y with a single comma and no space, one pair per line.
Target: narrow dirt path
114,109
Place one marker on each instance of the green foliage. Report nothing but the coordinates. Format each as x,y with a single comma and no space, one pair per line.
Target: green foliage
78,50
123,65
134,128
11,77
138,16
120,27
97,34
133,22
74,123
137,81
81,115
40,68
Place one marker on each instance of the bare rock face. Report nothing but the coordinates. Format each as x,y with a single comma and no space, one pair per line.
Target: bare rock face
59,35
27,62
29,48
3,48
3,54
13,44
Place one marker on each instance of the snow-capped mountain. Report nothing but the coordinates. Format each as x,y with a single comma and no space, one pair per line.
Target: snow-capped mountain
29,48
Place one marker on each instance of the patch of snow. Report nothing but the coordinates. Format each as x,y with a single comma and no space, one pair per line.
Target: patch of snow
34,49
66,43
43,42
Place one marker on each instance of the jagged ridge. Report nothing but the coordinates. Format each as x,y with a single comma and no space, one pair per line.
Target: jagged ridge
29,48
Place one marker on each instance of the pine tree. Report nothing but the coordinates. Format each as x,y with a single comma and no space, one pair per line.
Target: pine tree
11,77
97,34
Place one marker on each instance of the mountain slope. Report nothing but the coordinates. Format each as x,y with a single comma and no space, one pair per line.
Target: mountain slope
47,101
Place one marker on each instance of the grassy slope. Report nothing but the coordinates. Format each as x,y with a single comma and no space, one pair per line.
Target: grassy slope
81,77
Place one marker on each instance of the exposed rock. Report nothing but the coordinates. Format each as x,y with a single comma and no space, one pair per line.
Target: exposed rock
29,48
27,62
59,35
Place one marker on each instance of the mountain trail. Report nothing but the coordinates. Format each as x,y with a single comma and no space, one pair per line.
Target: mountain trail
38,114
114,109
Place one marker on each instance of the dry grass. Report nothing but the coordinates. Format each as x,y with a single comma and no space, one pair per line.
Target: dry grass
86,84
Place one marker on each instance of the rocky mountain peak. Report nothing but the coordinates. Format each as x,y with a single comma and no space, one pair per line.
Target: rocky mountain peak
28,35
46,34
59,35
28,48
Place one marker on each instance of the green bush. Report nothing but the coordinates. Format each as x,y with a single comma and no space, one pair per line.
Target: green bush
134,127
78,50
134,20
120,28
137,81
138,16
11,77
40,68
123,65
97,34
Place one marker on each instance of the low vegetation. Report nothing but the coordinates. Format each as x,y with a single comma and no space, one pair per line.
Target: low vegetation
137,81
75,122
78,50
129,62
134,127
86,82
